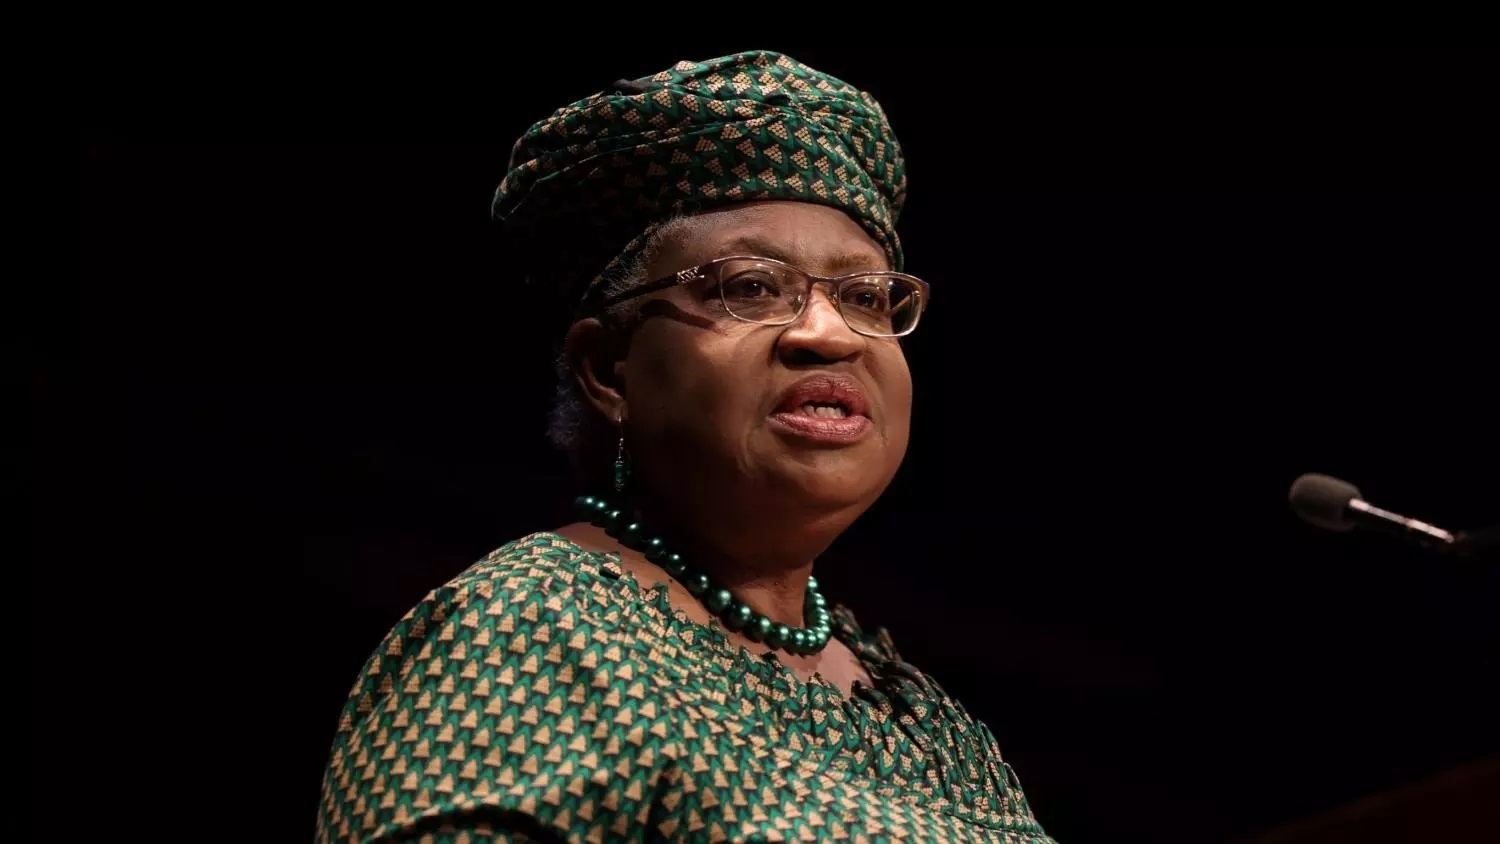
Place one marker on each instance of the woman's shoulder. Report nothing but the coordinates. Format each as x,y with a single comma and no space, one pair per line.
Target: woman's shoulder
488,672
522,594
538,564
537,558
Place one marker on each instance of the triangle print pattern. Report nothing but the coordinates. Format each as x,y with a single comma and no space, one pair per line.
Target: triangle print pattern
544,695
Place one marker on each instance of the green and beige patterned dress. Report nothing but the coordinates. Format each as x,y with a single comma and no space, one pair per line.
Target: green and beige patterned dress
544,695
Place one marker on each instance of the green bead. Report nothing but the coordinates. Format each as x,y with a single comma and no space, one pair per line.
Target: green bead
799,642
697,583
601,506
612,523
674,565
812,584
819,601
718,600
760,629
656,550
738,616
632,534
771,638
584,505
779,636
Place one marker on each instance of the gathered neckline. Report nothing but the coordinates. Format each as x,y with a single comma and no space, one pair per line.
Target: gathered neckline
954,759
845,628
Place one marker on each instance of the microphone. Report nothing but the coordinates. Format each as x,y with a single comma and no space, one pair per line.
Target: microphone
1337,505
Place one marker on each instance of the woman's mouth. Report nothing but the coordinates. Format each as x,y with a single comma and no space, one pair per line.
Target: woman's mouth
824,409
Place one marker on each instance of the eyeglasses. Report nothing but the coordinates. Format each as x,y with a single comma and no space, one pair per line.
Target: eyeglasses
770,292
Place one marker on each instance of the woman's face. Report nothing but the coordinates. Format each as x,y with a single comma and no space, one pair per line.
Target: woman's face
721,415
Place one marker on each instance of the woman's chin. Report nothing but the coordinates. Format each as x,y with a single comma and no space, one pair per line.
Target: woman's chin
829,480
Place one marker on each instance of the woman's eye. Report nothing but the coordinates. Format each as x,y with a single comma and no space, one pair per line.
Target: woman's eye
750,287
867,298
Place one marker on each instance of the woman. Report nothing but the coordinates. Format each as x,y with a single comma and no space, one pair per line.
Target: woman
736,396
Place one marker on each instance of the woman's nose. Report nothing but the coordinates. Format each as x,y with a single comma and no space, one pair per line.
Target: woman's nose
820,330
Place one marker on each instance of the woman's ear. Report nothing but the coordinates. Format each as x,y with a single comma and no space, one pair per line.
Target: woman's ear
593,356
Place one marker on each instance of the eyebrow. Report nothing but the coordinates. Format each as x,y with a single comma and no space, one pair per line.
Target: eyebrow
848,261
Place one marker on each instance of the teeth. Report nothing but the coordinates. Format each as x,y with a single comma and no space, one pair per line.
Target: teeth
824,411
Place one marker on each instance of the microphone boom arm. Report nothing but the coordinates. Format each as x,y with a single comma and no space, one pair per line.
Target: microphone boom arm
1397,523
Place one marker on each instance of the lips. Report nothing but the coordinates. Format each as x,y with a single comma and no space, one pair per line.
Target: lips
825,409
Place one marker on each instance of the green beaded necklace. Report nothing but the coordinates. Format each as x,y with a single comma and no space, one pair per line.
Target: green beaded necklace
736,615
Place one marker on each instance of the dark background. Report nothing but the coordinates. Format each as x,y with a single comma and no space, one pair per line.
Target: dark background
298,386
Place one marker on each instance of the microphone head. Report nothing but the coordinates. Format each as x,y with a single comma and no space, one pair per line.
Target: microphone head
1323,501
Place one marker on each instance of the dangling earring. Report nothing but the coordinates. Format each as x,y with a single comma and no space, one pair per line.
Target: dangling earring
622,470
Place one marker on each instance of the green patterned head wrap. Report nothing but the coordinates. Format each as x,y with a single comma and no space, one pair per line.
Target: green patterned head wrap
588,184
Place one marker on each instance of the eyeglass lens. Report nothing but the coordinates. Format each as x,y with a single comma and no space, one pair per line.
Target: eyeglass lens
877,304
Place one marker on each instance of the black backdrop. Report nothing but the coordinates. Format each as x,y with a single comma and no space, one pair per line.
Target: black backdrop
302,388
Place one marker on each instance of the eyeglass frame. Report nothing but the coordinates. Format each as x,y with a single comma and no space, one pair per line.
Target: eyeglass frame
836,283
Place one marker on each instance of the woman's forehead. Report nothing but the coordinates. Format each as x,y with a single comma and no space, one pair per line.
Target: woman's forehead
816,237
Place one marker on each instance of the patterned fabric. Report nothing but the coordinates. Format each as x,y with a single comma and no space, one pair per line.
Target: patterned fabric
758,125
545,695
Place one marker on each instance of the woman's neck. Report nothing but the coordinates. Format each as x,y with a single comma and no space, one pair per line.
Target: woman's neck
765,569
778,594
